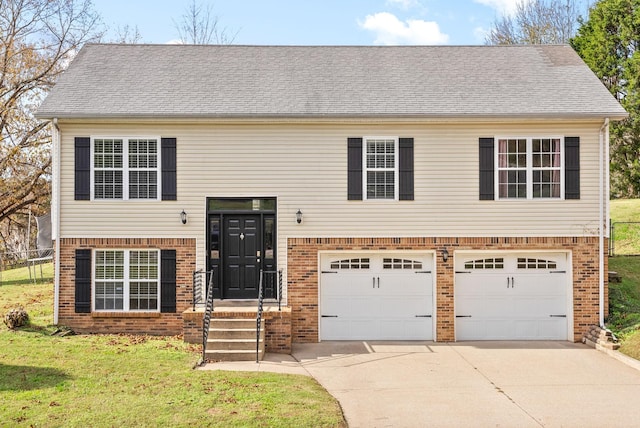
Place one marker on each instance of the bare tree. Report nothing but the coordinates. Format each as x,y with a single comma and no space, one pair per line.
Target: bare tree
126,34
538,22
199,26
38,38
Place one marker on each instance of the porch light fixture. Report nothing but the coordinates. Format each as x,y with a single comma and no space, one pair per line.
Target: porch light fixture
445,255
299,217
183,217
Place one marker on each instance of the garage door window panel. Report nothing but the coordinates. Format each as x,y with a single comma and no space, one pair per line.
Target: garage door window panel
529,263
347,264
490,263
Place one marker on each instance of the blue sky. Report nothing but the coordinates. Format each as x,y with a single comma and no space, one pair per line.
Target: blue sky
318,22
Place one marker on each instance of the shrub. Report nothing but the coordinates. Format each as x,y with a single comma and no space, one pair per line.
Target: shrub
16,317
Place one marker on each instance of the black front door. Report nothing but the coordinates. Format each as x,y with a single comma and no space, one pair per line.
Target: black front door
241,256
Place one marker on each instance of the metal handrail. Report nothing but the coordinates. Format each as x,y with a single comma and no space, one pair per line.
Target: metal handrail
206,320
259,315
280,290
196,291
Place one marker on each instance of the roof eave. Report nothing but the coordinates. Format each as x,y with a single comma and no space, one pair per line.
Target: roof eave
615,116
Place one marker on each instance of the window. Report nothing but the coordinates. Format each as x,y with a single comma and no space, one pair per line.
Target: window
125,168
126,280
524,263
380,168
362,263
396,264
490,263
529,168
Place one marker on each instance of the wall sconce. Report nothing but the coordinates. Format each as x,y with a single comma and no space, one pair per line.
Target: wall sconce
299,217
445,255
183,217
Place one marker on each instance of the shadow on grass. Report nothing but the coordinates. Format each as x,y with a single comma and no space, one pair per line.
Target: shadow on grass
25,378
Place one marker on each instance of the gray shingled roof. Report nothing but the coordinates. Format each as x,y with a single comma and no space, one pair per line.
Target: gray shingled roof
328,81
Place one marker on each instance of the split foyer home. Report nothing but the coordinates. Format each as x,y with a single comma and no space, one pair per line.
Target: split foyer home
440,193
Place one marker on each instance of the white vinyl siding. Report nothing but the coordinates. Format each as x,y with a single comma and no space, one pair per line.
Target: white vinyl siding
304,166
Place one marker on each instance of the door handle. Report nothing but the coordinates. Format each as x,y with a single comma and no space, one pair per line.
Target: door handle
513,282
378,282
374,282
507,282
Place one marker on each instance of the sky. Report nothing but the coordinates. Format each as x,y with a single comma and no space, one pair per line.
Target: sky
316,22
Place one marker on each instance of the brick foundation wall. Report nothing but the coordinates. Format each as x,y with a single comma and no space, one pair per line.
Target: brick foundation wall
302,275
118,322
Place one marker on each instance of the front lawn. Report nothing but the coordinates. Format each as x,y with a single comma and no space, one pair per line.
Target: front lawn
123,380
624,297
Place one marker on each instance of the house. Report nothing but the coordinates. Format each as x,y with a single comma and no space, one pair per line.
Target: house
416,193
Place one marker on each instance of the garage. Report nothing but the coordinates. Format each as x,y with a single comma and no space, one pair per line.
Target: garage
376,296
505,296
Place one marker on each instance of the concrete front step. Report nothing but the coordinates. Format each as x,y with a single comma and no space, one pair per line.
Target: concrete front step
233,323
234,344
245,333
234,339
233,355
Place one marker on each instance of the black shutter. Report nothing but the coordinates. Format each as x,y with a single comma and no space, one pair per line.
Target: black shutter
169,175
405,159
168,281
83,281
487,176
83,168
354,169
572,168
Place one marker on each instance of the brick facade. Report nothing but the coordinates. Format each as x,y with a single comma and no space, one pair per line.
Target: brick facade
302,275
118,322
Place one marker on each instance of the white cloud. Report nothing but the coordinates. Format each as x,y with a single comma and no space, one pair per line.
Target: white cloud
501,6
390,30
480,34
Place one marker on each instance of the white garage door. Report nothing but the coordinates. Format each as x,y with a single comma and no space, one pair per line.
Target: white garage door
376,297
511,296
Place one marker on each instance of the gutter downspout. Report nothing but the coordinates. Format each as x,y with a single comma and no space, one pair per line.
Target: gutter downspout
56,216
604,202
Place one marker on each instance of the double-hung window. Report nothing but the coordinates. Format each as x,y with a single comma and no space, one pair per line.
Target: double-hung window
381,168
126,168
126,280
530,168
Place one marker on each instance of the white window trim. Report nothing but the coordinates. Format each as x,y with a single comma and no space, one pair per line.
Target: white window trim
396,172
125,167
126,280
530,138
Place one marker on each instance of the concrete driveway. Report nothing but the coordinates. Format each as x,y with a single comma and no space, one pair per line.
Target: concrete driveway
474,384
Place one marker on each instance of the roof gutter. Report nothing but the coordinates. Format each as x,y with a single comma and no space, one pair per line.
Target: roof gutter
604,217
55,137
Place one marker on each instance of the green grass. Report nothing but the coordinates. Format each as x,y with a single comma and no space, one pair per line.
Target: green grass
626,236
142,381
21,275
624,297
